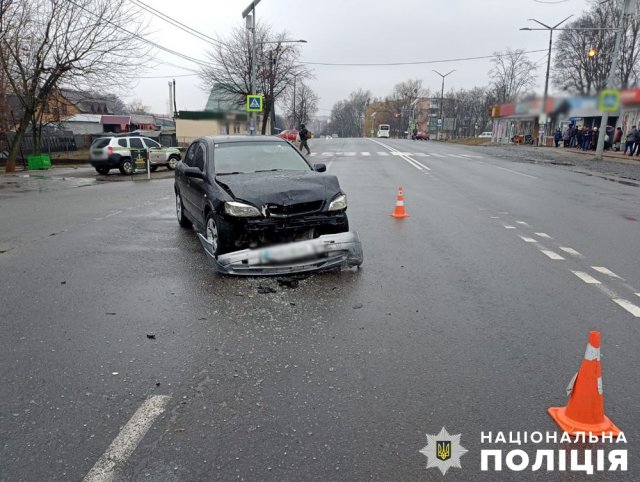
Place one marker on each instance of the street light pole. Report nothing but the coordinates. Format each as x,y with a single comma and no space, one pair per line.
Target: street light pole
252,8
610,79
441,100
546,80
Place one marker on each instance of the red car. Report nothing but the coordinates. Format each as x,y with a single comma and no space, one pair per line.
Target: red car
422,136
289,135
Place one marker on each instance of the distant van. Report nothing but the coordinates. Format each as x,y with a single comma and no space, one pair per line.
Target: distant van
383,130
486,134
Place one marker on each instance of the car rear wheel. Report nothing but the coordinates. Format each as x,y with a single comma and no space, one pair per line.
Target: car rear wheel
126,167
102,170
182,219
154,168
173,162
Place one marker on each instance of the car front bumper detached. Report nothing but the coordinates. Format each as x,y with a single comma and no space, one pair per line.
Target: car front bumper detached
329,252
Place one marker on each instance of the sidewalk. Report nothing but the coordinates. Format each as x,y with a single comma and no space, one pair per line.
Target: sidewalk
614,166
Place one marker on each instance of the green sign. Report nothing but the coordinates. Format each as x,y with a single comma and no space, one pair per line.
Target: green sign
255,103
609,101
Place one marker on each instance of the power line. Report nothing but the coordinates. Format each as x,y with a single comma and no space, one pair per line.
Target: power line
158,46
411,63
185,28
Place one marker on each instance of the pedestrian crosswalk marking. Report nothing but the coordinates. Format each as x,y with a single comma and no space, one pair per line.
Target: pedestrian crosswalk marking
382,153
392,153
365,153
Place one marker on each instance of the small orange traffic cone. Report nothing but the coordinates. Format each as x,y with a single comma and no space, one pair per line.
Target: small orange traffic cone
399,211
585,410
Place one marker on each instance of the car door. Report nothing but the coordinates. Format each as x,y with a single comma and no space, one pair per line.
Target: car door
184,182
155,151
197,187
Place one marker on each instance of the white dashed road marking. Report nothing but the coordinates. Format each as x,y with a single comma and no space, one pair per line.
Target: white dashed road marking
522,223
551,254
603,270
571,251
586,277
382,153
437,155
128,439
627,305
508,226
528,240
544,235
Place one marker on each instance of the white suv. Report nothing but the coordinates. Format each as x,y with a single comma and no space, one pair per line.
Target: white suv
113,152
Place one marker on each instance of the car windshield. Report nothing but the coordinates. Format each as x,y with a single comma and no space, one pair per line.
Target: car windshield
244,157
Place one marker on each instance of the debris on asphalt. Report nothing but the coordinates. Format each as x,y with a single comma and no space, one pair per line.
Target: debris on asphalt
151,336
115,373
179,430
110,313
157,384
263,290
288,283
63,282
358,306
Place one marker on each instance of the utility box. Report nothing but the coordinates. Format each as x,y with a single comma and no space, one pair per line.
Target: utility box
38,161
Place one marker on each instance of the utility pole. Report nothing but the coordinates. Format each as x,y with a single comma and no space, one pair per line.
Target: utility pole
441,100
610,80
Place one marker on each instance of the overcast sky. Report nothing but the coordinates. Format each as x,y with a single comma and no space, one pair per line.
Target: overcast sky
357,31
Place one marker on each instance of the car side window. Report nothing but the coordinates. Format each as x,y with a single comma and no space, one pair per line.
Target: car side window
199,157
189,158
136,143
122,142
151,143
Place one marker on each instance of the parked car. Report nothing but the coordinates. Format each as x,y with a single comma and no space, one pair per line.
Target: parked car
289,135
114,152
249,192
422,136
486,135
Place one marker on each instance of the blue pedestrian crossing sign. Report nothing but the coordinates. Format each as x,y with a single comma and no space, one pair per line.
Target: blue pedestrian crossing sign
255,103
609,101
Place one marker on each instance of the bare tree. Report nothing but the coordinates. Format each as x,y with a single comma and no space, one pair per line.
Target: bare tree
136,107
471,110
347,116
45,44
578,72
402,102
302,103
512,74
229,67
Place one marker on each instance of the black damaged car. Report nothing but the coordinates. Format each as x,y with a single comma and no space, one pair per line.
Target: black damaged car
254,191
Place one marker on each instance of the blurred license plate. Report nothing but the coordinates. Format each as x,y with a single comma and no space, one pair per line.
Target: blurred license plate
288,252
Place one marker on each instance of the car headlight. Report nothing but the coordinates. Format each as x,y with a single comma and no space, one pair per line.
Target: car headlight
338,203
242,210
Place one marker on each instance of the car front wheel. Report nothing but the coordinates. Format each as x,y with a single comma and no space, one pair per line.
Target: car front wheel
173,162
102,170
217,233
126,167
182,219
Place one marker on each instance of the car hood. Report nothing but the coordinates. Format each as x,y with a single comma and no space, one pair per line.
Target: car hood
283,188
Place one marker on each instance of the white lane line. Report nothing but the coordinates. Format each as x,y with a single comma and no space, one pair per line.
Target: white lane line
113,214
420,164
551,254
627,305
528,240
349,154
365,153
412,162
313,154
586,277
544,235
637,294
405,156
608,272
508,226
522,223
420,154
511,170
128,439
437,155
382,153
456,156
571,251
327,154
495,217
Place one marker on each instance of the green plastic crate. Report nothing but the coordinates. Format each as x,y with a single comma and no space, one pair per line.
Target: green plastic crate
38,161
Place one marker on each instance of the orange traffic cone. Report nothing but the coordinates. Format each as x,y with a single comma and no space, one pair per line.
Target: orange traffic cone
585,410
399,211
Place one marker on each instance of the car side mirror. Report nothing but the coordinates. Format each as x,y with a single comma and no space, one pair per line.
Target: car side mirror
194,172
320,167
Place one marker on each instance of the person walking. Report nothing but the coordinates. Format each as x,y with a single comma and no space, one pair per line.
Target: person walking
631,141
586,138
557,136
594,139
305,135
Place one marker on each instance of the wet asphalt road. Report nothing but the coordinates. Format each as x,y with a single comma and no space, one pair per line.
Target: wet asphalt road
457,319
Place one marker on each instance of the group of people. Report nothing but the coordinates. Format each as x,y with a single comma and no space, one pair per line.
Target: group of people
632,144
586,138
